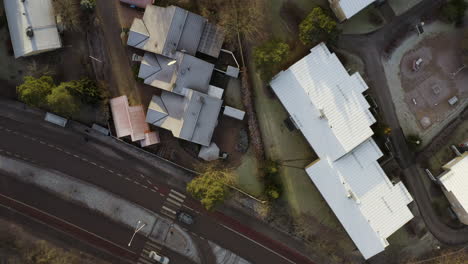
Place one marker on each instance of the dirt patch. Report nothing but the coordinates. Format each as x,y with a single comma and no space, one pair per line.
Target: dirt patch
227,137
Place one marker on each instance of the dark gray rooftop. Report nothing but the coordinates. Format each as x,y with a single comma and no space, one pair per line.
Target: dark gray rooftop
186,72
165,30
192,117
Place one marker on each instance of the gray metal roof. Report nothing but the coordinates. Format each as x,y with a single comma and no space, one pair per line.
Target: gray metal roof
192,73
171,29
191,34
192,117
211,40
139,34
187,72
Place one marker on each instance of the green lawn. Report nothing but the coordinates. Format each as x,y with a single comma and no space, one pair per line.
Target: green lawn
247,175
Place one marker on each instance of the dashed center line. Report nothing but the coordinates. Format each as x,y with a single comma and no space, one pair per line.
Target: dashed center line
150,186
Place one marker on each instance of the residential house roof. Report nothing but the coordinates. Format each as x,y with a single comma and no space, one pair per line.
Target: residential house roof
455,179
192,117
187,72
166,30
131,121
36,17
327,105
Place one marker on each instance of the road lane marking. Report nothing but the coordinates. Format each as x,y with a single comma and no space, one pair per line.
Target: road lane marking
248,238
174,202
178,193
109,170
188,207
169,209
128,179
168,215
59,219
120,175
135,182
93,163
142,176
144,186
153,244
176,197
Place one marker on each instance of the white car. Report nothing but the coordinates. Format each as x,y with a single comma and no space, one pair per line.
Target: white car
155,256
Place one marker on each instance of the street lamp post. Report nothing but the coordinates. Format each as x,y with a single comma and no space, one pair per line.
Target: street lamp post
137,228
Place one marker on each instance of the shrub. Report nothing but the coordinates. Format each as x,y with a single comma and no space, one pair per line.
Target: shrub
318,27
88,5
269,56
454,11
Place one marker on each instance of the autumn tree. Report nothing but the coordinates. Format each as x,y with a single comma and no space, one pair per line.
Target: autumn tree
318,26
85,89
237,17
34,91
69,13
62,102
269,56
210,187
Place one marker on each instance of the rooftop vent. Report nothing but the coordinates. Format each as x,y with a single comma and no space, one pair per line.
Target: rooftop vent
29,32
322,114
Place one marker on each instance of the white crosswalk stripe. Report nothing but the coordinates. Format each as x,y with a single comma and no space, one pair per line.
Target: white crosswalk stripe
178,193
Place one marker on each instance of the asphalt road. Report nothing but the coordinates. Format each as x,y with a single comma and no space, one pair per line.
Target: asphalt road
370,48
78,222
68,152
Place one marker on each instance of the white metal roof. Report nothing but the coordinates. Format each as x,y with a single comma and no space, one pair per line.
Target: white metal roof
455,180
328,106
327,102
352,7
37,14
234,113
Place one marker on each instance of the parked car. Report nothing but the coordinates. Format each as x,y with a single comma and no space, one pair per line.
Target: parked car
463,147
155,256
138,3
185,218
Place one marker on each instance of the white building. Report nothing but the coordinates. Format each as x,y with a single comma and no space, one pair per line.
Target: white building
455,185
345,9
327,105
32,26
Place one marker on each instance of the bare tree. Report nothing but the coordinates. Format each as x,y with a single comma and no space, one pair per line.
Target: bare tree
69,13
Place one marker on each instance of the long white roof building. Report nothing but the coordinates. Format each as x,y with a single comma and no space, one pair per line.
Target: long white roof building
345,9
36,18
327,105
455,183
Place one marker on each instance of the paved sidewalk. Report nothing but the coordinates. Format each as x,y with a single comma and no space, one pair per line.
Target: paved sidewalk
107,204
